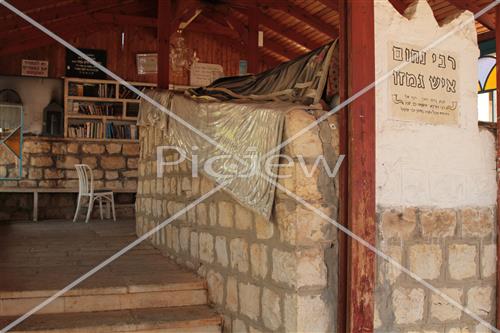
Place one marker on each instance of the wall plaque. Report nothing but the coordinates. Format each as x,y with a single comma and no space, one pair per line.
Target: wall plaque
76,66
426,89
202,74
35,68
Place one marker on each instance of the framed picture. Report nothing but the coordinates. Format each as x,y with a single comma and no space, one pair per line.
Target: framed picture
147,63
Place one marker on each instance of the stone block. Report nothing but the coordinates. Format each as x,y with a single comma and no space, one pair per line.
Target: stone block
33,173
130,149
93,148
111,175
408,305
183,237
112,162
399,224
284,267
206,244
59,148
212,214
73,148
249,300
441,309
36,147
232,294
438,222
193,245
132,163
271,309
221,250
264,229
113,148
67,162
477,222
41,161
307,184
201,214
243,218
307,144
479,300
307,313
226,214
426,260
215,283
239,326
133,174
389,272
91,161
238,249
462,261
258,260
53,174
311,268
488,260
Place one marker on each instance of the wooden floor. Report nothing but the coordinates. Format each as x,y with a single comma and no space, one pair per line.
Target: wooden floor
38,259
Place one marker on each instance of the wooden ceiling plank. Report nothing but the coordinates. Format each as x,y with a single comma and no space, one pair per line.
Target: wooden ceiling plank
126,20
485,19
310,20
30,31
333,4
399,5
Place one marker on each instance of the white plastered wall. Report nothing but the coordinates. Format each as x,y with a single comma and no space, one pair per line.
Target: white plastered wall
431,165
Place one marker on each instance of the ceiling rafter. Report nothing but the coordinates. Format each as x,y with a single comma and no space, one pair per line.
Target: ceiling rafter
58,16
62,11
486,19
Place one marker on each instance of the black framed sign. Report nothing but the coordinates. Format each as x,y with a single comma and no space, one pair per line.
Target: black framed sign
76,66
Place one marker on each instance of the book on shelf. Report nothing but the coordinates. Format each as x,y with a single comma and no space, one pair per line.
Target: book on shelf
89,130
102,90
121,131
126,93
94,109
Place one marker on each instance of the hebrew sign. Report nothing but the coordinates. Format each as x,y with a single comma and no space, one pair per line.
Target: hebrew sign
426,88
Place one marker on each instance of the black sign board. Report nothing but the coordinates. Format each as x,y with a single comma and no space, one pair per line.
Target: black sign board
76,66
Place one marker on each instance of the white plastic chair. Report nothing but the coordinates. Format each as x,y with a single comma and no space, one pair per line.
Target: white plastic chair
86,189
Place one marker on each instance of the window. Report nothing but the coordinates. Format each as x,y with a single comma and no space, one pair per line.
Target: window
487,84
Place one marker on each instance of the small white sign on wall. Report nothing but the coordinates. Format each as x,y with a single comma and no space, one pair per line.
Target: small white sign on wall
35,68
202,74
426,89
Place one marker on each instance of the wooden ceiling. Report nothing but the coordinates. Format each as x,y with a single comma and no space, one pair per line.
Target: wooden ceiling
291,27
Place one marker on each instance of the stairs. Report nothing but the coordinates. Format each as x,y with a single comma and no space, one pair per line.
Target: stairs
140,292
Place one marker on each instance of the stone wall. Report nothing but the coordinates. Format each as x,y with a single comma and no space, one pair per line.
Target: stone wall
263,276
436,189
454,250
49,163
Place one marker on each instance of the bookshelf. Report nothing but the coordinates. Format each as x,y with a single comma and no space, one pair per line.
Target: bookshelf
101,109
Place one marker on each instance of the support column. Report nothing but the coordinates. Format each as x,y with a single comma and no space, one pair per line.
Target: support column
164,18
253,39
342,306
497,37
361,169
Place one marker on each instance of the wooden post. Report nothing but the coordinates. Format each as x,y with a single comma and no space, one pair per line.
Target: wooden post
498,163
342,307
253,39
361,156
164,15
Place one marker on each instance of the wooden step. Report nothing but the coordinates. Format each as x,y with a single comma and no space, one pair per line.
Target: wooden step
186,319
